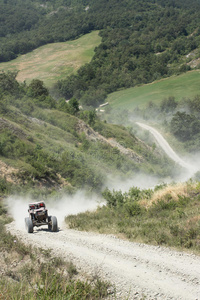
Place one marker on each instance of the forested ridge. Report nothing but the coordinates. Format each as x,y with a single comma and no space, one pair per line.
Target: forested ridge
141,40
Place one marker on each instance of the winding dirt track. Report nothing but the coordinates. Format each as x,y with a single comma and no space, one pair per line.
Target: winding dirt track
168,150
137,270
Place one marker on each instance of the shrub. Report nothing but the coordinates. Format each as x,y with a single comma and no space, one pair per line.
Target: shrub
5,186
114,198
133,209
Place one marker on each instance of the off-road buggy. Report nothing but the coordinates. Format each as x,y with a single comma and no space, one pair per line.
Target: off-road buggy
38,216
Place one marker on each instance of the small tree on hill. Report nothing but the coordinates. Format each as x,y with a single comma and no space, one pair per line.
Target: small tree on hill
37,89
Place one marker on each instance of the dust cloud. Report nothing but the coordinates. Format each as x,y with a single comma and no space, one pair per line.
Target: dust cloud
140,180
83,201
62,207
72,205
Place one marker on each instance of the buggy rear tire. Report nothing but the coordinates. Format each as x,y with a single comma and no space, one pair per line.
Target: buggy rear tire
54,226
29,225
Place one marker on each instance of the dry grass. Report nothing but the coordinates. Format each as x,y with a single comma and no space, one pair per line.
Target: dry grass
52,62
177,190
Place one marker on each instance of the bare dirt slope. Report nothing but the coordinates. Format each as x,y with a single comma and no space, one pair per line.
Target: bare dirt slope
138,271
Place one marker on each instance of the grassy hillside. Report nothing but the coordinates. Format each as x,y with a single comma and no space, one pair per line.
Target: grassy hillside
54,145
183,86
53,62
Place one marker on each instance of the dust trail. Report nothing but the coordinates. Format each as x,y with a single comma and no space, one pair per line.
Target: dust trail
168,150
140,180
62,207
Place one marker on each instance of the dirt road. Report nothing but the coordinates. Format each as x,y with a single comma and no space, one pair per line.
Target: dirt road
137,270
191,168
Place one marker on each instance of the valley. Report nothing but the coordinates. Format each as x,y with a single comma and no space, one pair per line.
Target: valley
100,118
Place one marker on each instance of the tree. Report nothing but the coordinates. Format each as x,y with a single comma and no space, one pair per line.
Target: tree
169,104
194,105
184,126
74,106
37,89
8,82
89,116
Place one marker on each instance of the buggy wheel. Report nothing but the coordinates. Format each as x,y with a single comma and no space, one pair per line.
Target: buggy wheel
54,224
29,225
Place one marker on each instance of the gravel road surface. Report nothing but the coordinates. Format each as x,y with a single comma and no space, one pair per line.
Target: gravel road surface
138,271
192,168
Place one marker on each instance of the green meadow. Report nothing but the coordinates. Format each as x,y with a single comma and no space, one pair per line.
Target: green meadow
53,62
182,86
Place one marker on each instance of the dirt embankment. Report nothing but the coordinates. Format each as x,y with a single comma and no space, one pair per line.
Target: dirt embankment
95,136
8,172
138,271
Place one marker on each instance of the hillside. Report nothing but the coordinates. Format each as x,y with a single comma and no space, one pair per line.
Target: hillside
183,86
171,105
54,144
141,41
144,49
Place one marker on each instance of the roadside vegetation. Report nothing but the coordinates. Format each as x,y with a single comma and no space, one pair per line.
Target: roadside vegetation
180,119
169,216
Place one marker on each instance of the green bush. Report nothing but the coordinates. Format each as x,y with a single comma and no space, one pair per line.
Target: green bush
5,186
133,209
113,199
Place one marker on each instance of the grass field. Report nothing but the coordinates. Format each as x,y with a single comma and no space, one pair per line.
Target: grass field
185,85
52,62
